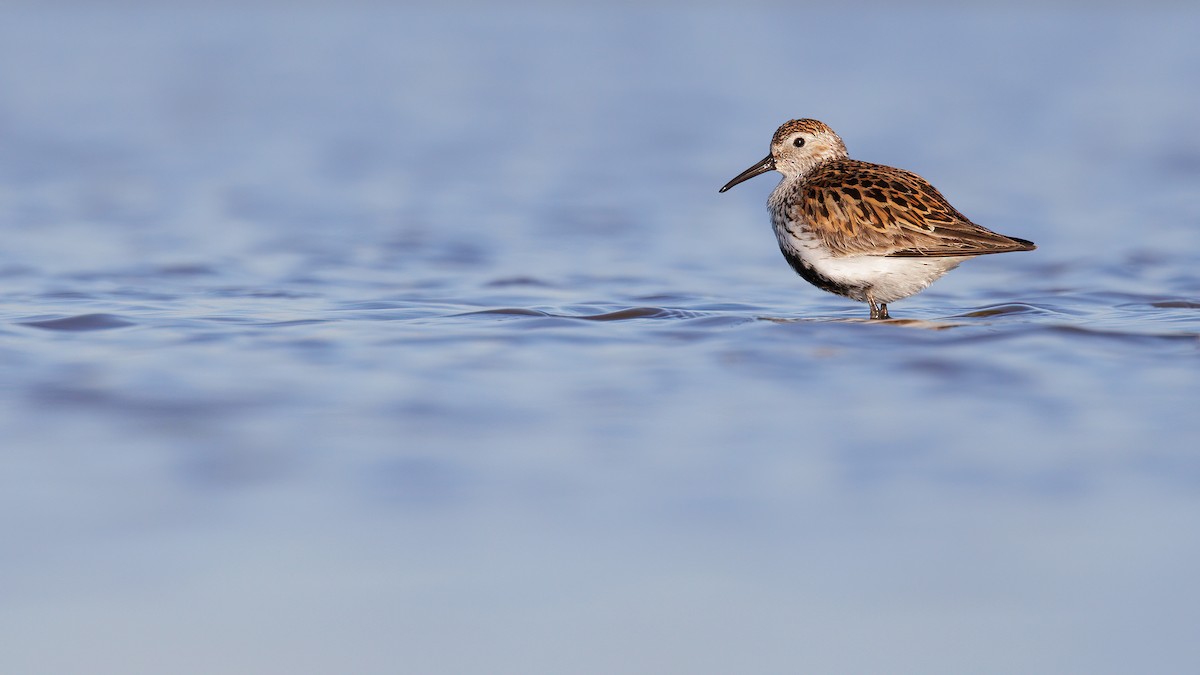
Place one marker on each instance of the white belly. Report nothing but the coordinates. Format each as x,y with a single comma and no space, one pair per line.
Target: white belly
883,278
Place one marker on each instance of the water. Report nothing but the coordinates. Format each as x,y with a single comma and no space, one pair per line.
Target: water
411,340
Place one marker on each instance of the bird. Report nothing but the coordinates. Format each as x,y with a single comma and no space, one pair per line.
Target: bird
869,232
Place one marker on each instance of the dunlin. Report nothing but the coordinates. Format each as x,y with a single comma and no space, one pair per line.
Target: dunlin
870,232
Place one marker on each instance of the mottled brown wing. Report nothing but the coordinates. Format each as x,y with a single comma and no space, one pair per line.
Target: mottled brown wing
862,208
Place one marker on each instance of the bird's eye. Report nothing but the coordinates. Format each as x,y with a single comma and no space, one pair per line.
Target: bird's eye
799,142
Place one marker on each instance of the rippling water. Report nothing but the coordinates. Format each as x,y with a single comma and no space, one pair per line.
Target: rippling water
398,340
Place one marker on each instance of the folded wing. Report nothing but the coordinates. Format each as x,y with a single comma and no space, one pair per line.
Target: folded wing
861,208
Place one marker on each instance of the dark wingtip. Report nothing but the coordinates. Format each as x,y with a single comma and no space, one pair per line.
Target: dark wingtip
1026,245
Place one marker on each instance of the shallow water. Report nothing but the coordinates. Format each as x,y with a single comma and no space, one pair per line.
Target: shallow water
395,340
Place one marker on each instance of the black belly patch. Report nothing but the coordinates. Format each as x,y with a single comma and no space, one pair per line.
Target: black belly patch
815,278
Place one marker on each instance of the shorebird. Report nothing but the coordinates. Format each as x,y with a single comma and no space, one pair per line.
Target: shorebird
870,232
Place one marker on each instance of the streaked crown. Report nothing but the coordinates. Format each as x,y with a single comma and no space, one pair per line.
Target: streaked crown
798,146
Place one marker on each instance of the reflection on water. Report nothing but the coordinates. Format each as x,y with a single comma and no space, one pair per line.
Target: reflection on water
382,336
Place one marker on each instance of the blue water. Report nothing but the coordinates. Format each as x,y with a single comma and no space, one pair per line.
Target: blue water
397,340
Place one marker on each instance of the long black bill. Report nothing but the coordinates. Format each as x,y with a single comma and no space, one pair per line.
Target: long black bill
764,166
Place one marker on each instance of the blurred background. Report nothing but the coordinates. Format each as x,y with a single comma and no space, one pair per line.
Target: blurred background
381,338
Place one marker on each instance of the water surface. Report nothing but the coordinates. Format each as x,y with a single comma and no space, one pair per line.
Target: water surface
400,340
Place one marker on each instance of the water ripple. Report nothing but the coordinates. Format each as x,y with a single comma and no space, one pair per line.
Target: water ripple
1176,304
81,323
616,315
1009,308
